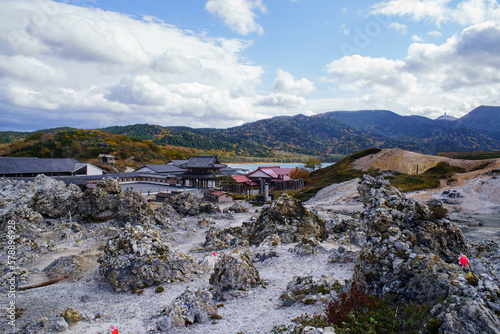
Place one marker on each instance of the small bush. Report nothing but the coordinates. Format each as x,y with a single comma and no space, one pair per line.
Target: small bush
159,289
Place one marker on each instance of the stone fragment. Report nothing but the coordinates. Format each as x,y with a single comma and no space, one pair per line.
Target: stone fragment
71,315
189,308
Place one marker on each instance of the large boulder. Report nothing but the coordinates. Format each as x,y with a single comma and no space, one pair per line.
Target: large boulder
106,201
28,201
289,219
72,265
139,257
234,272
411,253
189,308
231,237
189,204
408,252
309,289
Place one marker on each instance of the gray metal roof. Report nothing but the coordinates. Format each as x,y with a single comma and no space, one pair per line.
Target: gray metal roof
11,165
162,169
204,162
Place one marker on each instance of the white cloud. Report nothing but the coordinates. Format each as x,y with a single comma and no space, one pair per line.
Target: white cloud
456,76
416,38
435,33
238,15
62,60
284,101
465,12
286,83
400,28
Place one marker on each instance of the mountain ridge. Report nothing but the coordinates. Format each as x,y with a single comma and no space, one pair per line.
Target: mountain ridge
326,134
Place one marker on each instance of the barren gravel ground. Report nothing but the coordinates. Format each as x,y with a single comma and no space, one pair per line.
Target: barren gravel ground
101,307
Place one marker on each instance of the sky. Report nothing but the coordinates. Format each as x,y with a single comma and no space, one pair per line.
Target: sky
222,63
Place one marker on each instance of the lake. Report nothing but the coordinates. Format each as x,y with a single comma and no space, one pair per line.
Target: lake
254,166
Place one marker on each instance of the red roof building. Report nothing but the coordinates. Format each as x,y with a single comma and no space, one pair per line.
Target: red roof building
271,173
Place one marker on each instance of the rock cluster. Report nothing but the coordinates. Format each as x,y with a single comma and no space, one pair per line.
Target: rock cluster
27,201
236,207
409,252
107,201
346,229
189,308
412,252
308,289
138,257
290,220
342,255
285,219
233,275
45,197
189,204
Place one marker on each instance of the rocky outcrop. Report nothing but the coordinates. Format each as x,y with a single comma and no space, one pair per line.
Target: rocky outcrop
139,257
189,308
233,275
408,252
30,201
236,207
107,201
189,204
309,289
290,220
285,220
232,237
48,198
412,252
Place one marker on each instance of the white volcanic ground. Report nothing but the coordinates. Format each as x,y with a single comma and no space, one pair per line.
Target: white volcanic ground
101,307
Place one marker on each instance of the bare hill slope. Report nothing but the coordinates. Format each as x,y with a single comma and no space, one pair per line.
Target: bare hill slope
408,162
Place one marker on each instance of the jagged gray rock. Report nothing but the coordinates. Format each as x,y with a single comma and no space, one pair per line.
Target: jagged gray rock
409,252
236,207
189,308
309,289
139,257
189,204
412,253
289,219
234,272
46,197
218,239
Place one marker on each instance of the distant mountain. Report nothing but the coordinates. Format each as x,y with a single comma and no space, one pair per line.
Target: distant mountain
431,136
86,145
328,134
484,119
446,118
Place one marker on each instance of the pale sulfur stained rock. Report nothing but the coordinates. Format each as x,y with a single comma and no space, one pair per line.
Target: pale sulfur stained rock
189,308
286,220
189,204
138,257
234,272
289,219
412,252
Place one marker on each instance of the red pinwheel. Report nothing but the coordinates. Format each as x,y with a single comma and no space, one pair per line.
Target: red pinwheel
463,260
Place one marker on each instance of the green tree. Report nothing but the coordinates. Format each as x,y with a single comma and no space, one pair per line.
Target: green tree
312,164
